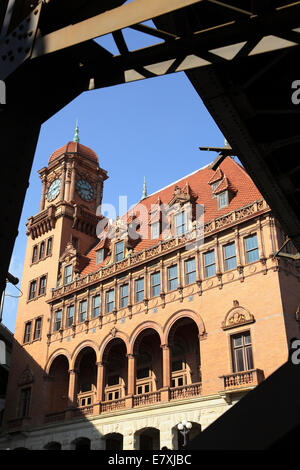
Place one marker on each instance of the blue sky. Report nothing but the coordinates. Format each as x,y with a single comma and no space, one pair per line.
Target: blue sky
150,128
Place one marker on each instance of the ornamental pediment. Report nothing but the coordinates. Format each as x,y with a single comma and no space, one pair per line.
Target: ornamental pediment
237,316
69,254
180,196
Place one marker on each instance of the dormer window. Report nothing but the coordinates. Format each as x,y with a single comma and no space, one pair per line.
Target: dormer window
119,251
222,199
179,224
154,230
68,274
214,186
99,256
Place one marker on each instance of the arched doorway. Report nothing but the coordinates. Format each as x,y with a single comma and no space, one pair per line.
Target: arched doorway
86,376
114,441
147,439
82,443
116,370
185,353
148,354
58,377
53,446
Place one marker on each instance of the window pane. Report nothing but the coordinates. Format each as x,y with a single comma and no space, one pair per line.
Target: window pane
37,329
154,230
190,270
96,306
179,224
222,200
251,242
70,315
139,286
119,250
124,296
209,263
110,300
99,256
249,357
252,256
172,277
82,311
239,360
155,284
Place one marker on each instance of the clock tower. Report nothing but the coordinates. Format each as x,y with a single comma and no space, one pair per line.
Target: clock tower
72,188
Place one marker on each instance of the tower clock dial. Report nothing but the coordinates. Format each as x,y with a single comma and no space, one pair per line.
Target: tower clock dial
53,190
84,190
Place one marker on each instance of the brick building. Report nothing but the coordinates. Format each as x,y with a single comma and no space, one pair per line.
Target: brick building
174,311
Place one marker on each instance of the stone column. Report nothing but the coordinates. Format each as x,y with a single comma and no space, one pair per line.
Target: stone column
68,182
42,204
72,392
100,381
166,372
131,379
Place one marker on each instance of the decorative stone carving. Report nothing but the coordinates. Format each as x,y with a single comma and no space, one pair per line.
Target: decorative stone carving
237,316
26,377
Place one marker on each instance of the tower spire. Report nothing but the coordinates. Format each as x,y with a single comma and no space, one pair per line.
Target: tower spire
76,135
144,189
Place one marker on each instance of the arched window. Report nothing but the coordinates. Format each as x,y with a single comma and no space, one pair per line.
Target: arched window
144,373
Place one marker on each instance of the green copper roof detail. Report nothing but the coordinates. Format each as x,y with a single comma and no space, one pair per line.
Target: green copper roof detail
76,135
144,189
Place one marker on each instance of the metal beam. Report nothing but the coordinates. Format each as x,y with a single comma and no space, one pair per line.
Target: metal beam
108,22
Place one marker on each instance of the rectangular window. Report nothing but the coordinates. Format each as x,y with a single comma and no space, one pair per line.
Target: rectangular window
209,263
24,402
49,246
242,352
42,250
68,274
190,271
229,256
70,316
154,230
58,317
124,290
27,332
96,306
155,284
42,286
82,310
37,328
35,253
179,220
139,290
99,256
172,277
119,251
251,248
222,199
32,290
110,300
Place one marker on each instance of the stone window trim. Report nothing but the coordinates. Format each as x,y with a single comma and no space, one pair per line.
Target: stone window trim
37,295
46,254
135,280
32,322
231,336
246,235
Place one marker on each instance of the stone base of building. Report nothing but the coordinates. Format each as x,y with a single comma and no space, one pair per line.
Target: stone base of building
129,425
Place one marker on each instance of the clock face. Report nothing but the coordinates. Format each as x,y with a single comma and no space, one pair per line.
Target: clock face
85,190
53,189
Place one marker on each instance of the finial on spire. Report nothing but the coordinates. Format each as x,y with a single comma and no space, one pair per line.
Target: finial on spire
144,189
76,135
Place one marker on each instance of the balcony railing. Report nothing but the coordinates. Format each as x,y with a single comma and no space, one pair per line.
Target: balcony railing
242,379
113,405
146,399
185,391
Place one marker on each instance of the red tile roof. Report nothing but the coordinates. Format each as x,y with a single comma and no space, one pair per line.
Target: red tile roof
244,192
75,147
